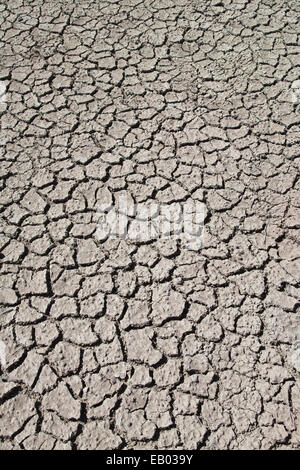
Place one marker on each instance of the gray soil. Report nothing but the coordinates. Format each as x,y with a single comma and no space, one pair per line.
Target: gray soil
112,343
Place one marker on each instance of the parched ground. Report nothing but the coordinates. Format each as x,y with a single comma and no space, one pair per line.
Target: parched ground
112,343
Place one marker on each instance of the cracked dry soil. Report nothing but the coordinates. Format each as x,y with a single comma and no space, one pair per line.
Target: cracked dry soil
115,344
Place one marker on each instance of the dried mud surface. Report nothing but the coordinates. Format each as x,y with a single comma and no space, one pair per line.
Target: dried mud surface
112,344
